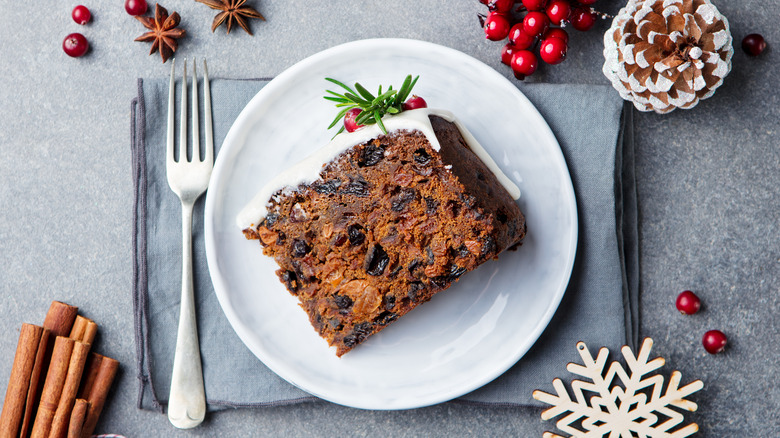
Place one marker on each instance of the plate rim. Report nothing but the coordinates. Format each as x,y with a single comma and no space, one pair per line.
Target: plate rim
220,284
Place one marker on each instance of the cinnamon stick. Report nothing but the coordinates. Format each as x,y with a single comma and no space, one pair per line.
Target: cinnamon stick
90,373
60,318
84,330
19,381
77,417
104,370
36,382
58,322
78,358
52,387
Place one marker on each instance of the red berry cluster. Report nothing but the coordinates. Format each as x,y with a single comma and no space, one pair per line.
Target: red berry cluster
714,341
531,24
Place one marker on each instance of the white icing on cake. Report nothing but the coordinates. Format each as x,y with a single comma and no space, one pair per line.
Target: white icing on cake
308,170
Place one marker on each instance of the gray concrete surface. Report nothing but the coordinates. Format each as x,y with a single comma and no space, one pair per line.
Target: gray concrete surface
707,182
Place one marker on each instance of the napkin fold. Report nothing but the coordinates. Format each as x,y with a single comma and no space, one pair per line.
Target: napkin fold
600,306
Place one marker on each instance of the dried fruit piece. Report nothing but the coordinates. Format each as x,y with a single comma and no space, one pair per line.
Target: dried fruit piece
370,155
343,301
400,201
376,261
355,235
300,248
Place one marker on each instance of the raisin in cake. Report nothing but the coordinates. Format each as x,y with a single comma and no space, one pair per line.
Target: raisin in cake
375,224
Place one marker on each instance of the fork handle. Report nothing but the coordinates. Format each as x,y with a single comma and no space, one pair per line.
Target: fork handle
187,402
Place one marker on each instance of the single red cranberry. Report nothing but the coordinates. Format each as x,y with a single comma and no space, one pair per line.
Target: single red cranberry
558,11
502,6
534,5
688,303
75,45
350,124
535,23
496,26
586,2
506,53
524,63
753,44
136,7
556,32
81,14
714,341
582,19
553,50
414,102
519,38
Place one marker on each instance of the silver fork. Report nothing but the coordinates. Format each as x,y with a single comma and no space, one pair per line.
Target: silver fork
188,178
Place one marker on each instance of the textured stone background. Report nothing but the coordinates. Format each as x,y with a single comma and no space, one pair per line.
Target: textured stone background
707,183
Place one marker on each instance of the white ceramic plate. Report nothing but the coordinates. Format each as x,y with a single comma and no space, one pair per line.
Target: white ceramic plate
465,336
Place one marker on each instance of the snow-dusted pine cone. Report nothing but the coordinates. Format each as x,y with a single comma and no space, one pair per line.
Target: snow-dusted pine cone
667,54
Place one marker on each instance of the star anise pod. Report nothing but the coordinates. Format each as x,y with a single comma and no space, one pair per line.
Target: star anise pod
231,10
163,32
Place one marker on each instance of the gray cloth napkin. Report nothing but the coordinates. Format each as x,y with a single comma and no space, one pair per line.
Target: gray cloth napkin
600,307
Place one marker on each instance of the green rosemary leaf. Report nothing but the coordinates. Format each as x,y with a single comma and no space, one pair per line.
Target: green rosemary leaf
363,92
406,89
337,99
364,118
334,93
383,97
340,115
342,85
403,90
393,110
378,119
357,100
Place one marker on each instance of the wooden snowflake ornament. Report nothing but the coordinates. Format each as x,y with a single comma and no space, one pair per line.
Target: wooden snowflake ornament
621,405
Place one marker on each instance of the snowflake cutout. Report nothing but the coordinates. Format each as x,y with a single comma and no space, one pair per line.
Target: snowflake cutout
620,409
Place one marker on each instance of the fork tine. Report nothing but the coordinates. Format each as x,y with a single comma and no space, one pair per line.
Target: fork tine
183,118
208,130
195,119
171,116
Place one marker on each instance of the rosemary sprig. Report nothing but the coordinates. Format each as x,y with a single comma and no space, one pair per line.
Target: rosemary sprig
372,107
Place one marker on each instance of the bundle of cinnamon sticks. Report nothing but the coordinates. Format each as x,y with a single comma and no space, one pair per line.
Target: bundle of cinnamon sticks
57,386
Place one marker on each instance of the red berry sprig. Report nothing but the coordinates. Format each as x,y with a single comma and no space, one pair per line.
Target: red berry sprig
534,29
359,107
